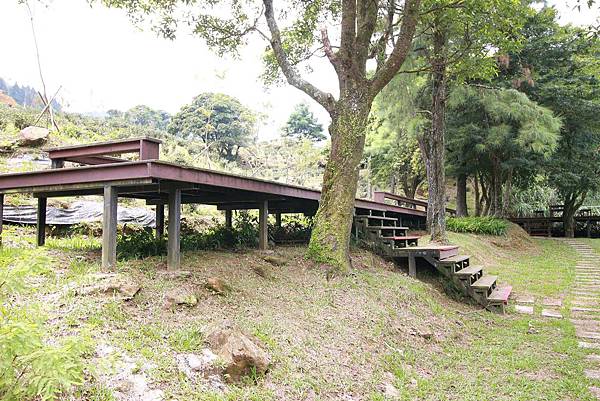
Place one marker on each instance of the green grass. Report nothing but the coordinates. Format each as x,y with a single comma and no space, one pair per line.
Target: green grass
341,337
477,225
593,242
543,267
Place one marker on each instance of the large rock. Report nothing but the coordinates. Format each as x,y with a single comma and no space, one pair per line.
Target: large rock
239,355
33,136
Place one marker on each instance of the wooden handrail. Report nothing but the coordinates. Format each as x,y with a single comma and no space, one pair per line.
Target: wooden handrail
381,196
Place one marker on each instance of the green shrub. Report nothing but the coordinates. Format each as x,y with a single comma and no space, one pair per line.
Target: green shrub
30,367
477,225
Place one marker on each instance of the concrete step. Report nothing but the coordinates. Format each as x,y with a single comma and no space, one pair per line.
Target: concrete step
454,259
469,271
485,282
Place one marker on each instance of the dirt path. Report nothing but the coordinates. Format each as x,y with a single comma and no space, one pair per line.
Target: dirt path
585,307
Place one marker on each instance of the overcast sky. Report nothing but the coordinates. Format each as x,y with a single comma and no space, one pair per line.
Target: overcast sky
103,62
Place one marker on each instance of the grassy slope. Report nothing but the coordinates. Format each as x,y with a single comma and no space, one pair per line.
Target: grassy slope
332,339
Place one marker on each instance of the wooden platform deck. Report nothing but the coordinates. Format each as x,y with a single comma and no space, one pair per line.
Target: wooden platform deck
162,183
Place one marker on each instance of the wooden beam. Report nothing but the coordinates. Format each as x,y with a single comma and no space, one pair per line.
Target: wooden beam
412,265
173,245
160,221
109,228
263,229
1,215
229,219
41,221
278,219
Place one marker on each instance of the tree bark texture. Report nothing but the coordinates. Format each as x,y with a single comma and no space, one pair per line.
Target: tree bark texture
432,144
330,239
461,196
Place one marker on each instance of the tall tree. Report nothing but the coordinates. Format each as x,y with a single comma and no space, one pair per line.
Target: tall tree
558,67
378,30
456,40
218,120
302,123
147,116
392,144
499,136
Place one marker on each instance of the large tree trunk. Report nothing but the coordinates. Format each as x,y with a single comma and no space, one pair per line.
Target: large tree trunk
572,203
569,219
461,196
432,144
330,237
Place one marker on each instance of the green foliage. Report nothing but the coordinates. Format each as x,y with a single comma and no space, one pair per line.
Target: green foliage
218,120
303,124
391,146
499,136
477,225
558,67
143,115
30,367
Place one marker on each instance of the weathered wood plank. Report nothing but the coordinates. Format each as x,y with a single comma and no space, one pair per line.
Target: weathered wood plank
109,228
174,241
263,235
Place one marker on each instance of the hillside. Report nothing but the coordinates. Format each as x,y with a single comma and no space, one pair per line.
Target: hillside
376,334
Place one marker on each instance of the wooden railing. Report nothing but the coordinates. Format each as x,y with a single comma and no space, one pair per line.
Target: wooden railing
103,152
417,204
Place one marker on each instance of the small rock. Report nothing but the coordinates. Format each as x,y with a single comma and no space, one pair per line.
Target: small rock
239,354
112,285
180,296
217,285
274,260
33,136
390,391
425,333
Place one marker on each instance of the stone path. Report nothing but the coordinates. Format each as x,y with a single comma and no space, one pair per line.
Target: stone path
585,306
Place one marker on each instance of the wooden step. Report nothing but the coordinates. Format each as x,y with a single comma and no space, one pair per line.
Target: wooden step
454,259
500,295
386,228
469,271
402,237
485,282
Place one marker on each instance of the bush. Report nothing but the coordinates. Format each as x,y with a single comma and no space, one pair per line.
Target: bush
477,225
30,368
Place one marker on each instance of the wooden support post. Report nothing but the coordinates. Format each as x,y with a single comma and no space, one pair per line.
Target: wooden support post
229,219
109,228
41,221
1,215
160,221
412,265
263,229
173,245
589,229
278,219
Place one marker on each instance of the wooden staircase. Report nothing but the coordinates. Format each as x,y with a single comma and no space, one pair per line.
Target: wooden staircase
385,236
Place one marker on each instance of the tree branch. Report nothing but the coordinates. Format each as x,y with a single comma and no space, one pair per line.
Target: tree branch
401,49
327,48
293,77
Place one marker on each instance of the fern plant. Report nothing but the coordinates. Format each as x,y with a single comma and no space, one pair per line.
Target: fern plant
30,367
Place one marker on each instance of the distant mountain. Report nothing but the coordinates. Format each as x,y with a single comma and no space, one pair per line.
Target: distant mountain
25,95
